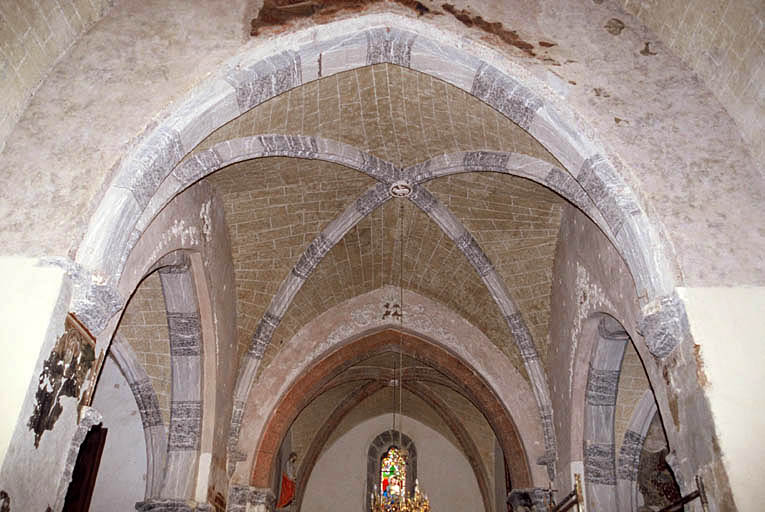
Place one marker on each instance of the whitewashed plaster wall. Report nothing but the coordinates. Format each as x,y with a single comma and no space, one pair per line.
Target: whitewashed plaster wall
729,325
338,484
122,473
31,292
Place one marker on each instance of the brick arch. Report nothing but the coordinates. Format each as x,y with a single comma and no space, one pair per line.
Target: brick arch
309,384
269,70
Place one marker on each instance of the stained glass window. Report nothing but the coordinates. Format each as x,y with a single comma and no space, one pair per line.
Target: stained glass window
393,473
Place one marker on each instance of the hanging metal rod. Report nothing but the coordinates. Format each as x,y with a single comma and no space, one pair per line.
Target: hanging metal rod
698,493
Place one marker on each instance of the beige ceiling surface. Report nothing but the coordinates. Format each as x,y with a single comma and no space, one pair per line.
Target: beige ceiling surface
395,113
382,403
274,207
516,222
368,258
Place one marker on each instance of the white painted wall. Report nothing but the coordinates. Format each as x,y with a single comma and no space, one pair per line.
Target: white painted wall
29,296
338,481
121,480
729,324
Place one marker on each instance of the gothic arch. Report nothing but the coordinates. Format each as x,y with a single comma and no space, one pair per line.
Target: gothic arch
600,404
321,372
628,460
116,223
148,406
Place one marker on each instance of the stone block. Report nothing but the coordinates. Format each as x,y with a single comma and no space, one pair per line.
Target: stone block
290,145
485,161
185,425
389,45
599,179
197,167
185,332
424,200
93,303
599,463
664,324
148,166
602,386
265,79
473,252
522,337
312,256
379,169
628,462
109,231
564,184
506,95
372,199
146,400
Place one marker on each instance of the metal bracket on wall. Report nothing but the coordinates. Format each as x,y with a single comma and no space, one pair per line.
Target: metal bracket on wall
698,493
572,498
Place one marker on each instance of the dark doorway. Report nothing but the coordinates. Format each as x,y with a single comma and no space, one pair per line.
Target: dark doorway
85,471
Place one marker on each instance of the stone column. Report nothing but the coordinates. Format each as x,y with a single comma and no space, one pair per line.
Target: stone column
186,406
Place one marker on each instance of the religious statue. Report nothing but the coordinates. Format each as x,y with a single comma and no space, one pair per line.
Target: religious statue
289,477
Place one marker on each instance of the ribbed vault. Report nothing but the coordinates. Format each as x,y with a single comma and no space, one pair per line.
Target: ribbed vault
274,208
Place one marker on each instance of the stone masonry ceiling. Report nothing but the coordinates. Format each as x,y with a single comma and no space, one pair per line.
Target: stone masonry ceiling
397,114
276,206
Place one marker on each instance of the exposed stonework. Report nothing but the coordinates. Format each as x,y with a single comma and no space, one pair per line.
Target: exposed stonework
664,324
602,386
275,208
506,95
599,465
185,425
638,144
390,111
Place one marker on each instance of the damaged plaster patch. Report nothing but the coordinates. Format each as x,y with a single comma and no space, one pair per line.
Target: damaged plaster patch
614,26
589,297
188,235
63,374
281,13
204,216
510,37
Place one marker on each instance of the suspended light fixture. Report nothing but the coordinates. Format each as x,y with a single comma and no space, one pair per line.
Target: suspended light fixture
393,497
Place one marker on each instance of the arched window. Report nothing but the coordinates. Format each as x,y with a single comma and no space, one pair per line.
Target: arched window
392,472
383,445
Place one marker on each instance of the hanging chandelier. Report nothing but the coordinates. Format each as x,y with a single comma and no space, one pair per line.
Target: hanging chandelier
391,502
392,492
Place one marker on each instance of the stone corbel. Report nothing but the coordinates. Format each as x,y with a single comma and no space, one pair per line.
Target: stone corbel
664,324
94,300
